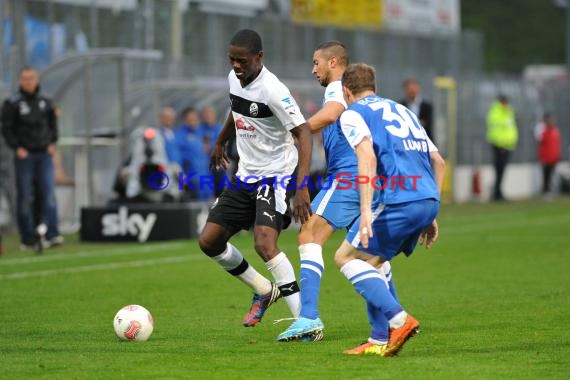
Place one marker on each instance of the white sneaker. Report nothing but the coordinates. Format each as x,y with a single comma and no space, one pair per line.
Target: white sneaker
54,241
27,247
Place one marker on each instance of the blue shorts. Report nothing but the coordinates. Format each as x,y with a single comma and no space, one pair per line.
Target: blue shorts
339,207
396,228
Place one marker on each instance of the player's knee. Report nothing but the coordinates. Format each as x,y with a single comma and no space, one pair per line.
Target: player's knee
205,244
317,230
341,258
305,235
210,246
265,249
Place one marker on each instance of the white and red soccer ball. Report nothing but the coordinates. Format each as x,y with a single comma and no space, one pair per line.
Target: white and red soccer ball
134,323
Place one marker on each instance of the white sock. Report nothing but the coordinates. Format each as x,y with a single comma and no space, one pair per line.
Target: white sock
312,252
386,267
398,320
378,342
386,270
234,263
284,275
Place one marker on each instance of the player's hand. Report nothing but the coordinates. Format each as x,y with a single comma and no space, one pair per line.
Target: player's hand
21,153
365,228
302,206
51,149
429,235
219,159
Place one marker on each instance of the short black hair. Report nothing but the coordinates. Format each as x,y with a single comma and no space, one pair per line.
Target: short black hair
337,49
249,39
187,110
409,81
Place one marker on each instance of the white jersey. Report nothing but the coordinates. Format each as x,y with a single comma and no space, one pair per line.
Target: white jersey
264,113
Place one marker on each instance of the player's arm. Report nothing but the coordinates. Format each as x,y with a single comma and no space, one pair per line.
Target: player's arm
430,234
219,159
327,115
437,164
358,136
366,171
285,108
334,105
302,202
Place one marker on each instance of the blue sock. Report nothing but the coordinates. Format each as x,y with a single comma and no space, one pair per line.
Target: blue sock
371,284
380,328
312,267
387,268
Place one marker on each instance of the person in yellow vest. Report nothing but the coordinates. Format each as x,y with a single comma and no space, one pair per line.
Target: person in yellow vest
502,134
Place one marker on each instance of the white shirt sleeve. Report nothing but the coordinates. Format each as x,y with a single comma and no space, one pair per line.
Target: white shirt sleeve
354,127
431,145
333,93
284,107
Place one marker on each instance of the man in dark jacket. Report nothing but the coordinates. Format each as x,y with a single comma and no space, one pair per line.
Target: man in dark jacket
29,126
418,105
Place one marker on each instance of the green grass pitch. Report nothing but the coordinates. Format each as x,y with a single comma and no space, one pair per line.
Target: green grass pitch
492,296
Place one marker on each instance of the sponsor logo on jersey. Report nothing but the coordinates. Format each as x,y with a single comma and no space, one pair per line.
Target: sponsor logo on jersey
289,105
253,109
242,124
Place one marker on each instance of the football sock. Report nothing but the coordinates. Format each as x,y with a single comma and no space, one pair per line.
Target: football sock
380,328
371,284
234,263
312,267
284,275
387,268
398,320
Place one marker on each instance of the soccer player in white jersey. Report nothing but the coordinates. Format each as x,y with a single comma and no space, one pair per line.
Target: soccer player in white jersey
264,118
332,208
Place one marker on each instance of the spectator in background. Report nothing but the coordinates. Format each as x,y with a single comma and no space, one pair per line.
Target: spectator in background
502,135
414,101
547,135
210,127
210,130
29,125
167,118
193,155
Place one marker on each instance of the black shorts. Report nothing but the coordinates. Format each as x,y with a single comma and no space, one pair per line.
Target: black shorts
243,205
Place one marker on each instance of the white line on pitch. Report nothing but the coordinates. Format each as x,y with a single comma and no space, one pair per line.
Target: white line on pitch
98,267
127,250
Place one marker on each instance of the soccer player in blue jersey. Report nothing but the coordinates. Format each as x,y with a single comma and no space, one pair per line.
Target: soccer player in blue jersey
390,144
332,208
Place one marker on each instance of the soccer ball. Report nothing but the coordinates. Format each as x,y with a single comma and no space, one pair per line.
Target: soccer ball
133,322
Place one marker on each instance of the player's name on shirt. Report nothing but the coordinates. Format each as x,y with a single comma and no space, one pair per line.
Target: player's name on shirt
420,146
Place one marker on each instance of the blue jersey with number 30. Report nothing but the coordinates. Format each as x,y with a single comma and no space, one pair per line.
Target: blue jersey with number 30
401,146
